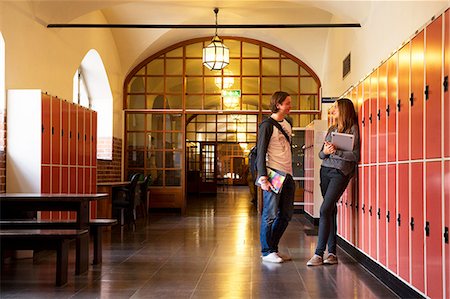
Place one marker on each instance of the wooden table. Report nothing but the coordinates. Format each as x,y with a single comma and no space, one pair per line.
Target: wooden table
56,202
104,208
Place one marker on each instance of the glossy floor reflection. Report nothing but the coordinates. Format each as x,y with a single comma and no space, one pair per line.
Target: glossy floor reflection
213,252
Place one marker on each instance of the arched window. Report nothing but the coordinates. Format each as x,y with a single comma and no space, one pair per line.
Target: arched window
91,89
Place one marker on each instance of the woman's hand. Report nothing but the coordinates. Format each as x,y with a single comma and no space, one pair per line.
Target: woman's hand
328,148
265,184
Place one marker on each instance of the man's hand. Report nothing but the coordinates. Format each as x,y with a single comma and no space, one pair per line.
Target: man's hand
265,184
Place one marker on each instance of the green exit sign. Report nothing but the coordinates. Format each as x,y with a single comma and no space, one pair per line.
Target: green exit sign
235,93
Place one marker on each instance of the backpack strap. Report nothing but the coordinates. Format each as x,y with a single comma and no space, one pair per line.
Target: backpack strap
279,127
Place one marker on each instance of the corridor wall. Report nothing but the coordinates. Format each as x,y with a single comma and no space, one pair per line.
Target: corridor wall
402,205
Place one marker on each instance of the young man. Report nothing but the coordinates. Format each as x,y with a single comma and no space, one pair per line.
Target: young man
274,151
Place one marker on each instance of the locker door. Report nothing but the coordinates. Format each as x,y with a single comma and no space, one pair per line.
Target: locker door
80,180
381,114
46,129
391,111
56,188
73,135
87,137
447,89
433,89
94,139
390,217
373,120
365,209
447,221
403,221
358,211
65,186
416,96
339,216
416,226
45,186
56,131
80,135
65,132
73,186
433,229
94,180
87,180
373,212
361,119
403,103
366,124
381,215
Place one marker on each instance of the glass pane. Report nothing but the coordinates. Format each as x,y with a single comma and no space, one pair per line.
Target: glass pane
137,85
234,46
135,122
212,102
157,177
173,159
308,85
221,127
250,67
176,121
141,71
173,177
155,122
175,53
135,141
136,102
251,127
295,119
231,137
155,85
155,141
231,126
174,66
304,72
194,50
289,85
306,119
174,101
193,102
135,159
270,85
211,137
190,127
155,102
227,82
271,67
250,102
289,68
266,102
250,50
250,85
191,136
194,85
210,118
308,102
155,67
234,67
201,118
210,85
222,137
294,102
269,53
201,127
211,127
221,118
194,67
174,140
174,84
201,137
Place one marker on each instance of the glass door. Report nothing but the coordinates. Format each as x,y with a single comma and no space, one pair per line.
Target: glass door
208,166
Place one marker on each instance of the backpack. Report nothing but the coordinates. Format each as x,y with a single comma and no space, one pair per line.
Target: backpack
252,156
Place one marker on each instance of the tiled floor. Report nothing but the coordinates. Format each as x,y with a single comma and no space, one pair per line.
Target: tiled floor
213,252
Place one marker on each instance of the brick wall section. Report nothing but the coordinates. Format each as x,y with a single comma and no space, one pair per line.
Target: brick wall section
2,151
107,170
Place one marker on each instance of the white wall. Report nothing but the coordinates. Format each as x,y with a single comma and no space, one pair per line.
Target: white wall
387,26
42,58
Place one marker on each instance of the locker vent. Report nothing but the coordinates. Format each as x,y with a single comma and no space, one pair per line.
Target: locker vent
346,66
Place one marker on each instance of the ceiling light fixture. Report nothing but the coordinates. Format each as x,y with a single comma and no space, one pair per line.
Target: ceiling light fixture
216,55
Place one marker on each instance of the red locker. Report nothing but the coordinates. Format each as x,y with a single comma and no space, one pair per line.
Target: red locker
447,90
361,120
433,229
381,215
381,114
365,209
417,227
373,227
373,120
80,180
94,180
390,218
87,137
56,131
73,135
46,128
73,186
64,187
359,214
80,135
403,220
56,188
447,220
65,133
94,139
366,120
416,96
391,111
402,103
87,180
433,89
45,187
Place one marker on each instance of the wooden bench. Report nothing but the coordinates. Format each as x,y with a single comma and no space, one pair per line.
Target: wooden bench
95,229
46,239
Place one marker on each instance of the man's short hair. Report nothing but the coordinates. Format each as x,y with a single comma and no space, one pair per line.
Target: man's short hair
278,97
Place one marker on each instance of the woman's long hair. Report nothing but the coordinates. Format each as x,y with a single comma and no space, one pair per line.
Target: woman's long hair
347,116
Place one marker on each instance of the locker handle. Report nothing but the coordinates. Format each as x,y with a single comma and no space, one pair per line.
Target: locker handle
398,105
398,219
70,134
379,114
363,121
42,129
370,210
388,216
427,228
363,208
62,132
427,91
379,213
388,109
446,235
411,99
53,131
370,118
85,137
412,223
78,135
445,83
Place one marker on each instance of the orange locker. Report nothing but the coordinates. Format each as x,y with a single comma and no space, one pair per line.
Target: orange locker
45,187
358,212
447,221
381,214
80,180
56,187
73,186
416,96
381,113
390,218
447,87
403,221
80,136
73,139
65,133
433,229
373,120
366,122
391,111
365,210
87,138
46,129
373,227
87,180
94,139
64,187
402,103
56,131
94,180
433,89
416,224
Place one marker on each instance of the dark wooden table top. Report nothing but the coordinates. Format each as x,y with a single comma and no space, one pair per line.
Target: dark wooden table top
23,197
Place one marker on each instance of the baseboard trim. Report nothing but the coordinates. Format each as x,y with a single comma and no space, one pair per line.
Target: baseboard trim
390,280
314,221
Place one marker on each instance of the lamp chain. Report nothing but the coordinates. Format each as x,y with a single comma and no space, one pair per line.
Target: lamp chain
216,10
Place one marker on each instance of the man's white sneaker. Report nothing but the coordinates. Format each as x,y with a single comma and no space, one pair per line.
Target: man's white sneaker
272,258
285,257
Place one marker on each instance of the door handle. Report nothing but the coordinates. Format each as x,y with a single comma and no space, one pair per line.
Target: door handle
388,216
412,223
411,99
388,110
427,228
398,219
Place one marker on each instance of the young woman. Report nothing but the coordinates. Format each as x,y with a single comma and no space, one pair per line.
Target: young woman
338,166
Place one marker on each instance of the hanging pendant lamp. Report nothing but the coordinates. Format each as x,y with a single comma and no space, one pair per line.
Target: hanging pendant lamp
216,55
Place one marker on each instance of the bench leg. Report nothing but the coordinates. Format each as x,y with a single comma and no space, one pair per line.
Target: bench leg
62,262
97,238
82,254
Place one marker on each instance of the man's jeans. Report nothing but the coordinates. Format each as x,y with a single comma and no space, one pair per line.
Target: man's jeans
276,214
332,184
